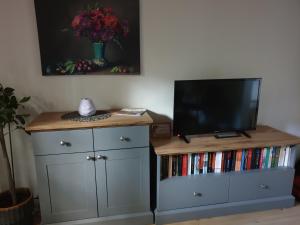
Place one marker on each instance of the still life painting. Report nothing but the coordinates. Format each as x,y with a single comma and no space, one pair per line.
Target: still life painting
89,37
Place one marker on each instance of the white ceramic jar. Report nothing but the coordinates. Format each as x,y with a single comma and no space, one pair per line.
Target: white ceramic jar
86,107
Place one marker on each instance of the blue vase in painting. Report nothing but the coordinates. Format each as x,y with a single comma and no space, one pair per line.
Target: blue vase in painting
99,53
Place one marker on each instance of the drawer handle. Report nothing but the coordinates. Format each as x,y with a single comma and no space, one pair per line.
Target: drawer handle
264,186
90,158
122,138
65,143
101,157
197,194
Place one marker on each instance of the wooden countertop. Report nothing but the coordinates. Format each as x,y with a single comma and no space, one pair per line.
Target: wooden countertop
263,136
50,121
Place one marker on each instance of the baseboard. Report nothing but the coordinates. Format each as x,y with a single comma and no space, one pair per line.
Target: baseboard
171,216
128,219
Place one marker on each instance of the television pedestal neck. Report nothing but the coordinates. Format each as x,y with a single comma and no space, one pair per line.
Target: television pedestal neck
184,137
231,134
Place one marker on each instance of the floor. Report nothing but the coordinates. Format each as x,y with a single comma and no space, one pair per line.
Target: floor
289,216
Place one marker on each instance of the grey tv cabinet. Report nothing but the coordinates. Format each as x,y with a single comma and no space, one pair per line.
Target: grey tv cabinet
224,193
93,172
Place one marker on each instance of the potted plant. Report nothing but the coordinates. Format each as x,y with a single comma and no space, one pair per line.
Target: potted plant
16,204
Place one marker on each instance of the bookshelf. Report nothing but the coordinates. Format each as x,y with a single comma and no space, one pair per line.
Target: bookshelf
204,194
240,160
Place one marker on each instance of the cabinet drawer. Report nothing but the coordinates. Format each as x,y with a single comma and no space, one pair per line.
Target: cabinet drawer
275,183
192,191
243,186
59,142
261,184
121,137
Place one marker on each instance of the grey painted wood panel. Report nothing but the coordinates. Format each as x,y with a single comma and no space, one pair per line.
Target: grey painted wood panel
243,186
274,183
260,184
48,143
67,187
121,137
172,216
124,174
178,192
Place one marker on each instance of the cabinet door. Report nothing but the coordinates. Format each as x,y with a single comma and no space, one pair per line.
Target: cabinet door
67,187
123,177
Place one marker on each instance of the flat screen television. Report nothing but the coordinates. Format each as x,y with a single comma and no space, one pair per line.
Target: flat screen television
220,105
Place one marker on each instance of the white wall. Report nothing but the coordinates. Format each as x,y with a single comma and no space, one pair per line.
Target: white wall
180,39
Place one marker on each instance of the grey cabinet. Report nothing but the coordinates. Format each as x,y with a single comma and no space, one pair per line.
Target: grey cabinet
78,181
123,181
67,187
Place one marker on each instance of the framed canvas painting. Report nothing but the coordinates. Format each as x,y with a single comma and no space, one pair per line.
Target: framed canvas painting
83,37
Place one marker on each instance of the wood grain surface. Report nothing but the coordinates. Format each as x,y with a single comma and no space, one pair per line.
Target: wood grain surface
290,216
263,136
50,121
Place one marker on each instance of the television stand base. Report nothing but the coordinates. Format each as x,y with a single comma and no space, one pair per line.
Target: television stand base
227,134
231,134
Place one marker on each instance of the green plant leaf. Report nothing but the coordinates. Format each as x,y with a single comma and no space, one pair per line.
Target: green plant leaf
69,62
13,102
8,107
8,91
25,99
72,69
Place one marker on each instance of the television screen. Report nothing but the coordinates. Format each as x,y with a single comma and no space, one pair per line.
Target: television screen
222,105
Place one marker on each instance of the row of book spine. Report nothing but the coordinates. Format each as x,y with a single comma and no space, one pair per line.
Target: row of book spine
226,161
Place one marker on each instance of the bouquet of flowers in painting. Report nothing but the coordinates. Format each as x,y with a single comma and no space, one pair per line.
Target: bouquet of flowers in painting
88,37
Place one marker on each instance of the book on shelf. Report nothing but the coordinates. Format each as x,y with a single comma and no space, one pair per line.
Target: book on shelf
170,172
205,163
209,162
233,161
184,165
189,164
201,162
225,161
273,153
213,166
270,157
196,168
174,165
218,162
192,163
179,168
249,158
238,160
261,159
281,156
